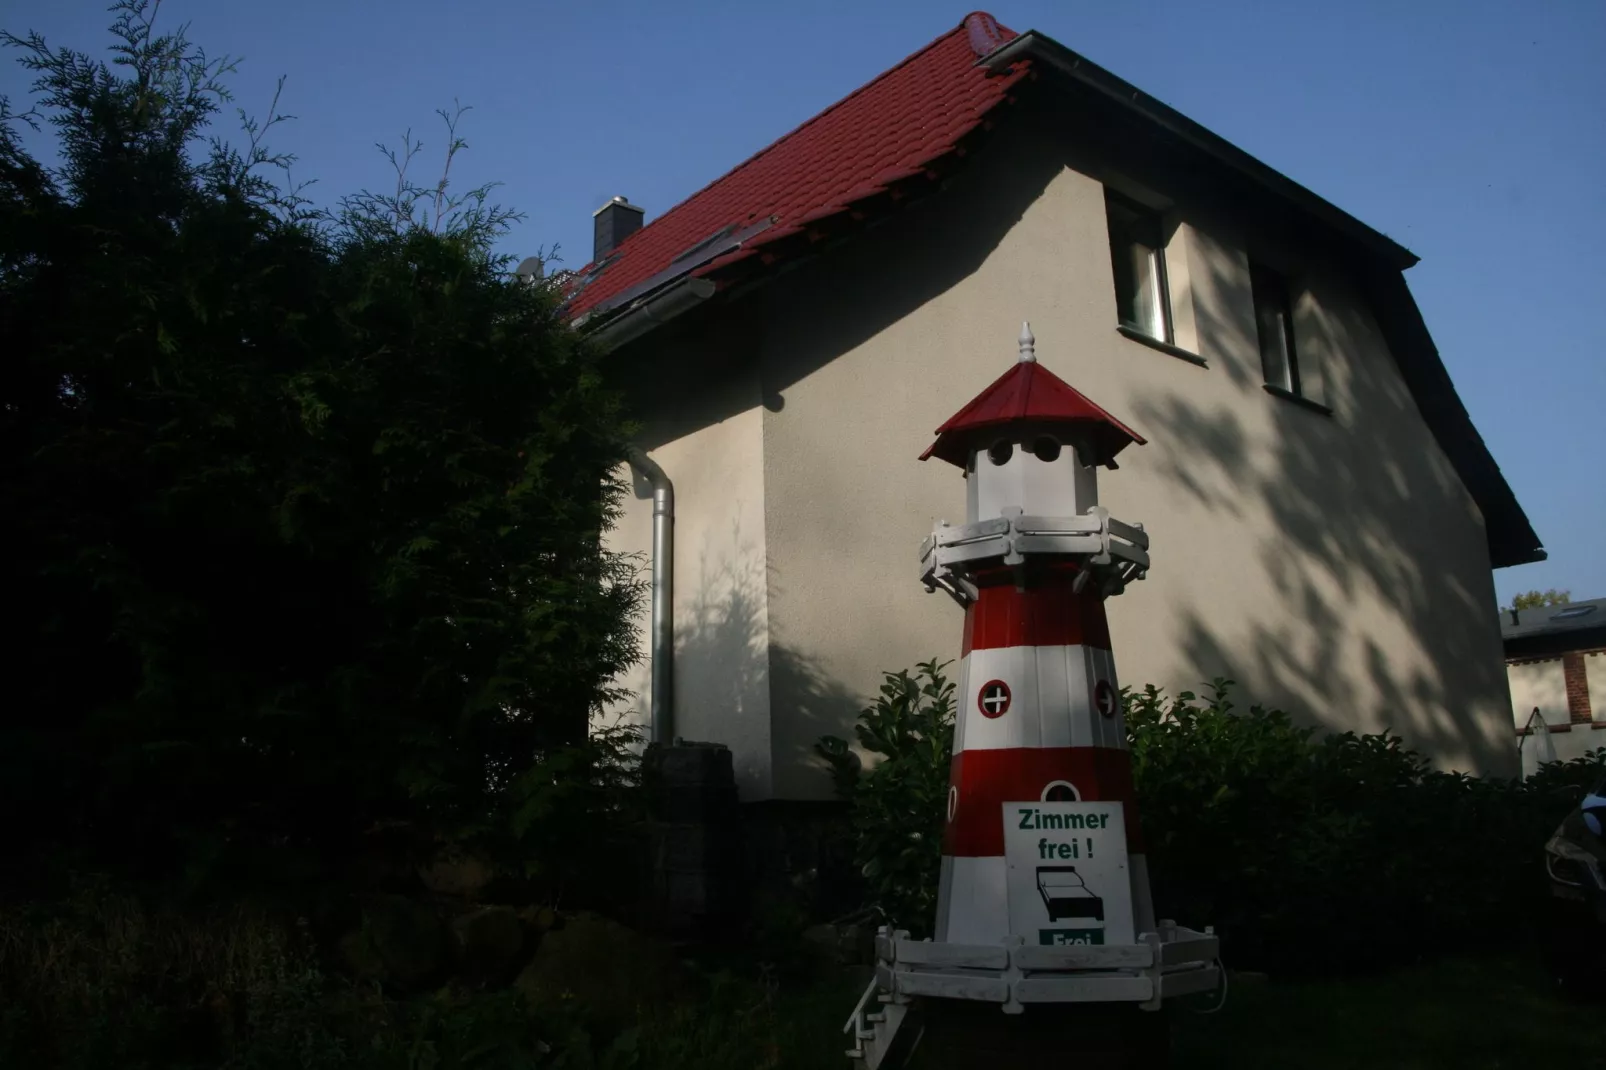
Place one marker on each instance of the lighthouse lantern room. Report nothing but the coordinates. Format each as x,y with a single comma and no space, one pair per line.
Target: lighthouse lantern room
1031,446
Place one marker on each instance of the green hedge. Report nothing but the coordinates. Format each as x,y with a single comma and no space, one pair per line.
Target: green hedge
1308,852
1311,851
899,807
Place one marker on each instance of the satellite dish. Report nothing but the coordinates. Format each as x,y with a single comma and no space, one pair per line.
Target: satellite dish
530,268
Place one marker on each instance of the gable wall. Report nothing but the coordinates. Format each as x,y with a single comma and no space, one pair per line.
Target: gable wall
1331,564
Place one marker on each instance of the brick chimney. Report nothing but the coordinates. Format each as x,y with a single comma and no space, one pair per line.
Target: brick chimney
613,223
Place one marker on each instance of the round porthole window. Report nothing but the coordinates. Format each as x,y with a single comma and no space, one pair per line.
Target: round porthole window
1000,452
1046,449
1061,791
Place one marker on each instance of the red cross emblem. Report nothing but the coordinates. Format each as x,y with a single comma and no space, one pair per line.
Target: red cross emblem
994,698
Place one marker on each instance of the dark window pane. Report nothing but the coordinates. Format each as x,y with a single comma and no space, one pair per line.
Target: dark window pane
1137,257
1274,322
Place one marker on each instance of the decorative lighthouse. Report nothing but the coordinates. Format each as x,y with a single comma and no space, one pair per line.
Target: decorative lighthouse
1044,892
1039,716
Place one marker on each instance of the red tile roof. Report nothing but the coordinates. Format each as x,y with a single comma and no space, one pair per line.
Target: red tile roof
888,132
1029,392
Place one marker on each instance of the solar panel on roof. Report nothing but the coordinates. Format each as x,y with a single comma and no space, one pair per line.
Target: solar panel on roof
706,244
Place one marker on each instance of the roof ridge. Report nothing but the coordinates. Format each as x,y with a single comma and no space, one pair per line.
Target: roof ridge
963,27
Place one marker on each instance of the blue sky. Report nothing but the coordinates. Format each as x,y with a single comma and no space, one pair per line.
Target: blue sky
1471,132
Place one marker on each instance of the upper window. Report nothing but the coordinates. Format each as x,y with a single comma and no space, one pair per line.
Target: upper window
1138,255
1275,322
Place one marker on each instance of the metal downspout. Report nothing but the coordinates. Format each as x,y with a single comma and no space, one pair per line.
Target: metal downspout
663,597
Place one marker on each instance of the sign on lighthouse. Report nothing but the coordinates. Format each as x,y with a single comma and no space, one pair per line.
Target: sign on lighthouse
1068,876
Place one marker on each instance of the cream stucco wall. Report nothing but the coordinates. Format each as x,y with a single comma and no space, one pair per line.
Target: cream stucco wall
709,442
1331,564
1595,677
1538,684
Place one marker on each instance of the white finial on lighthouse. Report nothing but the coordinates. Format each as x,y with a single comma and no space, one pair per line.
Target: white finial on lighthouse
1028,344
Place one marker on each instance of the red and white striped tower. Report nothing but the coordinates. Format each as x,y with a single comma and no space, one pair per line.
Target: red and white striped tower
1039,716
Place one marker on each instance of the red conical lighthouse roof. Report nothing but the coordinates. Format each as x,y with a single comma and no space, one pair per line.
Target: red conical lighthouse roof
1030,393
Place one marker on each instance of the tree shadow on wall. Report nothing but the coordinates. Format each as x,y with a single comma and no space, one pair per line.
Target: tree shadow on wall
737,685
1361,526
768,703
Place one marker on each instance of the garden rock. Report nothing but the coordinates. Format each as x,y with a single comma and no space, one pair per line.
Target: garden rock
490,946
457,873
826,940
539,918
849,944
400,943
601,968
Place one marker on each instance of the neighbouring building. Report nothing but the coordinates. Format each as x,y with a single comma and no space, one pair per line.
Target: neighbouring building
1324,515
1556,665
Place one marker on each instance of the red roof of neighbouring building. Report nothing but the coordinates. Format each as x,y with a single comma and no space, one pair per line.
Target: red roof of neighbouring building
1031,393
868,145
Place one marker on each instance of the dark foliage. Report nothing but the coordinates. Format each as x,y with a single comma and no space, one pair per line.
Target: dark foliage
304,509
898,807
102,980
1307,852
1540,599
1317,852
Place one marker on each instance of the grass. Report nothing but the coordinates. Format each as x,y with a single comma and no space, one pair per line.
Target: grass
1470,1014
98,980
1462,1014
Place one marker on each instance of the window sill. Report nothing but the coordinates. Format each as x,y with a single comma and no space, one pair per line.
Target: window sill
1165,347
1298,399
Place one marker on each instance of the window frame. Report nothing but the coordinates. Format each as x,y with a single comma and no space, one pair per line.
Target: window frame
1128,231
1267,284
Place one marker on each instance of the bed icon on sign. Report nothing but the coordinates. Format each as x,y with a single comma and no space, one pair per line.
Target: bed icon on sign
1067,898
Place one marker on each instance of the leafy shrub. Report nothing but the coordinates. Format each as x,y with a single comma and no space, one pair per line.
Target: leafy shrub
899,806
573,819
1338,850
1305,850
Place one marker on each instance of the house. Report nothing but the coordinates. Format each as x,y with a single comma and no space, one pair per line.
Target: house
1556,665
1324,517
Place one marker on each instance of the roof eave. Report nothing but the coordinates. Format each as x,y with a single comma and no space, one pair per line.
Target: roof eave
1050,52
651,311
1553,643
1510,534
